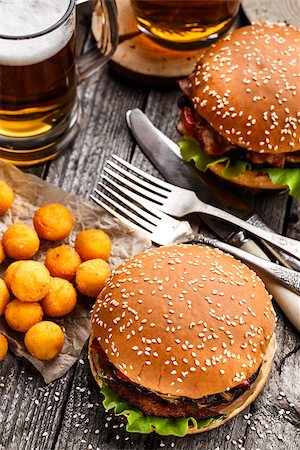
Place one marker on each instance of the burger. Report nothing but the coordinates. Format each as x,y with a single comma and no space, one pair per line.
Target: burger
240,114
182,339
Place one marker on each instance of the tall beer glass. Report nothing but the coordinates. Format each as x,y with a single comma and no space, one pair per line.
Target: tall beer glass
39,108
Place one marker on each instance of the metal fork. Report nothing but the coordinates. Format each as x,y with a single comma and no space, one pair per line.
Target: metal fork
152,192
164,230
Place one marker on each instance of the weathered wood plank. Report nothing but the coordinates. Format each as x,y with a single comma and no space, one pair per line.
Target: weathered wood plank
30,412
105,101
293,222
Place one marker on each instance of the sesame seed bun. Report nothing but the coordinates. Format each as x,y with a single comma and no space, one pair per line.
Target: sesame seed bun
184,321
247,87
249,179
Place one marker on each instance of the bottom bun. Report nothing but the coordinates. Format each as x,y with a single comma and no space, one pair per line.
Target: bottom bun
237,405
250,179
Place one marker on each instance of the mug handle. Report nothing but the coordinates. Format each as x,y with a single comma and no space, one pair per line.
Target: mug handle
99,54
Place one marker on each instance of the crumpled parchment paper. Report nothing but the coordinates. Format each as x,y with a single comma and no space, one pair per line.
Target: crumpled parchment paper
30,193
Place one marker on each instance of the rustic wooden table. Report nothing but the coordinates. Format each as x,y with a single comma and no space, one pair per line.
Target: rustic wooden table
68,414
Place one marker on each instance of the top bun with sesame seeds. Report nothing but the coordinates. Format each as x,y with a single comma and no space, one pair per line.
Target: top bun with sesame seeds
243,102
183,322
247,87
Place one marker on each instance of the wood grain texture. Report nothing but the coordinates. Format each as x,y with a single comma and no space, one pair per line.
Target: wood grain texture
105,101
30,411
293,223
273,11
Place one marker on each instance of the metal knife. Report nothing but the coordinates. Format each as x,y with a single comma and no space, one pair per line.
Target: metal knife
165,156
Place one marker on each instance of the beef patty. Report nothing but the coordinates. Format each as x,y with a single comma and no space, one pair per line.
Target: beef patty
151,403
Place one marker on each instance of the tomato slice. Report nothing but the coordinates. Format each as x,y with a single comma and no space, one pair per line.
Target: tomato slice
95,344
187,117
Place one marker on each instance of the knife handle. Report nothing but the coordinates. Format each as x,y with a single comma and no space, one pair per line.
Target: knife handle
285,243
288,301
284,258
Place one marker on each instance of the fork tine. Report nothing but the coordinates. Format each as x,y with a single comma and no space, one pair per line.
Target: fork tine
120,217
156,198
148,204
149,177
148,226
143,183
152,218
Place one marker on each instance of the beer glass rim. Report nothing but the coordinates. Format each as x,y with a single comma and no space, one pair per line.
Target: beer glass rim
53,27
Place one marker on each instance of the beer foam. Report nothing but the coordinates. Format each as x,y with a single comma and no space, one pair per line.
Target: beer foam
23,18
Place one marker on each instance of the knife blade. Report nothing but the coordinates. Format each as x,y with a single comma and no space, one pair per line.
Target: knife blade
165,155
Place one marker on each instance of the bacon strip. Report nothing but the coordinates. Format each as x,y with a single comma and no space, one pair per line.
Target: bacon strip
195,125
214,144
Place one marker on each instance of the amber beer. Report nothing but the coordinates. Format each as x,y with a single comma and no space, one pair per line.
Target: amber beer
34,98
37,74
185,23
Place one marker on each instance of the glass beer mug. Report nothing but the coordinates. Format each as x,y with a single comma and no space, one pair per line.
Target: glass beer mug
185,24
39,107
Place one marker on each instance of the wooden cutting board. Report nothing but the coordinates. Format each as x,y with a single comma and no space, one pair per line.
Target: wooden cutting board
139,58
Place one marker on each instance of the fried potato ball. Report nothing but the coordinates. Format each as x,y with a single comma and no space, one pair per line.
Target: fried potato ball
61,298
6,197
3,347
93,244
91,277
62,262
4,296
21,316
20,241
8,273
2,254
53,222
30,281
44,340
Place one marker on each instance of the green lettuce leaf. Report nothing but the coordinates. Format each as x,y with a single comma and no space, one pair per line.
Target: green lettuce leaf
137,422
192,151
289,177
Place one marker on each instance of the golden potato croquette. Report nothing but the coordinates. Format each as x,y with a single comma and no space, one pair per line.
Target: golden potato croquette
2,254
4,296
20,241
3,347
93,244
21,316
44,340
61,298
6,197
62,262
91,277
53,222
8,273
30,281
